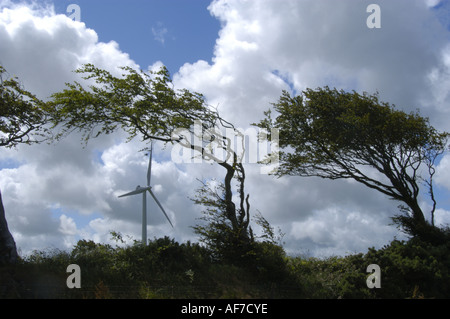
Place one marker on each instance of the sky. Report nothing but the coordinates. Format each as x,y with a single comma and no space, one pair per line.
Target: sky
240,54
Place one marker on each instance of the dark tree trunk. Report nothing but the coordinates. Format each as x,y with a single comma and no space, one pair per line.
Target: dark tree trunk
415,225
8,250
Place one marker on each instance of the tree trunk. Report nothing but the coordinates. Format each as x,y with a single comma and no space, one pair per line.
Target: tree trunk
417,213
417,226
8,250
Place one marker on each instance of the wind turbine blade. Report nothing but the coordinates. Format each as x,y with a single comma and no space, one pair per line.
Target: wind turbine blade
160,206
144,218
149,170
137,191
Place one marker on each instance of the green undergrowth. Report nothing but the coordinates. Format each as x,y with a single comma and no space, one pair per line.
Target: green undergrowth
168,269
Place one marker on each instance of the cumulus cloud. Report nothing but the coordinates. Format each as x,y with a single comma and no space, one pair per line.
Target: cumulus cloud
313,43
43,48
67,225
263,47
45,186
267,46
443,172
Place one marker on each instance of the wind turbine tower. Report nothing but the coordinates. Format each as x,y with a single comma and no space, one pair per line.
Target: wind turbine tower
143,191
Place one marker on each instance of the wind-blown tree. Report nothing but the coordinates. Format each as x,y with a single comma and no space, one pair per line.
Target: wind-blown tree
222,234
340,135
146,105
234,242
22,117
217,146
22,121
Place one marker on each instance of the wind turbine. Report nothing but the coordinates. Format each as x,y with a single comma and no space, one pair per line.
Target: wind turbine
143,191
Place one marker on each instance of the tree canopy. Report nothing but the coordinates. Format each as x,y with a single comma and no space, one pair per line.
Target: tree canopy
148,106
22,115
23,120
345,135
141,103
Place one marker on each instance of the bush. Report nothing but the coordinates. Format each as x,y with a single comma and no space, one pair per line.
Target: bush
411,267
167,269
408,269
330,278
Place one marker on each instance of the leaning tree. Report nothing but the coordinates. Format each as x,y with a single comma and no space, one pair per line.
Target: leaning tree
22,121
146,105
345,135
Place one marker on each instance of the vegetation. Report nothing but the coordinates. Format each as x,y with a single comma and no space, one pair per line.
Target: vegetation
168,269
22,121
228,236
327,133
345,135
147,105
22,116
142,104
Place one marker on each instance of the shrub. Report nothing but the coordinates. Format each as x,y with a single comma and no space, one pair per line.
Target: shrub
408,269
412,266
167,269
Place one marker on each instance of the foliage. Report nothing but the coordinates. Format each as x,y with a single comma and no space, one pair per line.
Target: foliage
331,278
167,269
268,232
326,133
231,239
22,116
138,102
411,266
146,104
22,121
227,236
408,269
339,135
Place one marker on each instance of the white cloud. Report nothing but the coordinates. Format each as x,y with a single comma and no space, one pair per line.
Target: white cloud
432,3
263,47
339,231
43,48
67,225
442,177
159,33
316,43
46,183
267,46
442,217
437,95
